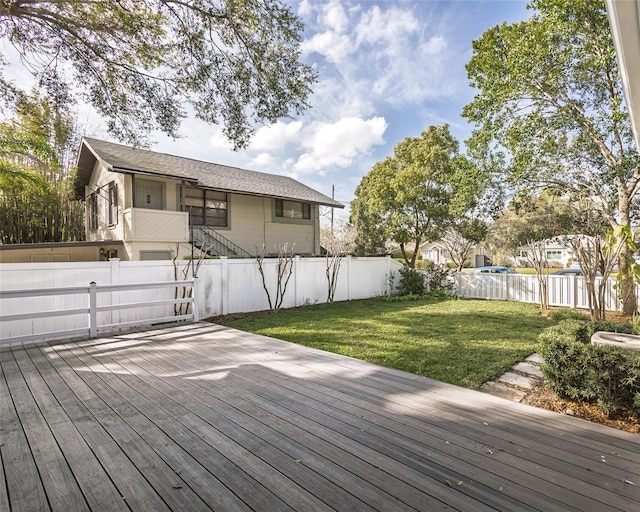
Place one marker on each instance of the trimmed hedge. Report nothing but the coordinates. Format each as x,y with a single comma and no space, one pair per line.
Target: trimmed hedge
605,375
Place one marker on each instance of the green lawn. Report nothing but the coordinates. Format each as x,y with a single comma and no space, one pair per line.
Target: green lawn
464,342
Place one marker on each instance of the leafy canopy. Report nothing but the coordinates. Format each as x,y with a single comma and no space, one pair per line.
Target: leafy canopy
549,107
140,62
413,196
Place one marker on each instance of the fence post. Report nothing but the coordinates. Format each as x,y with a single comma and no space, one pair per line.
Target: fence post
296,277
224,285
349,277
196,301
93,314
115,296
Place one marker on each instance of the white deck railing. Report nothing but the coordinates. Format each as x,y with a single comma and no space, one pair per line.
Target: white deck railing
93,318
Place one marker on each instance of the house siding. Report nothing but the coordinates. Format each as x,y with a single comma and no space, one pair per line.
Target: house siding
251,220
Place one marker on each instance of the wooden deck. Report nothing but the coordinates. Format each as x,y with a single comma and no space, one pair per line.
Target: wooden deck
203,417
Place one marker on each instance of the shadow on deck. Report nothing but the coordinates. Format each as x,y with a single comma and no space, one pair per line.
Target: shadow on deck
204,417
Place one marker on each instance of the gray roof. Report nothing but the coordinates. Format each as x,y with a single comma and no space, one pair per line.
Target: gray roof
119,158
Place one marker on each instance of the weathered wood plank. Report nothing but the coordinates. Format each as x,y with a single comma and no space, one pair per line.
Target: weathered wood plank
203,417
23,483
98,490
175,452
133,487
242,422
351,458
60,485
223,458
382,383
621,486
222,413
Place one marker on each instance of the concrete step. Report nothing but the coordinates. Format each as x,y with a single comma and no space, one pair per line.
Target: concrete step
528,369
515,379
535,359
503,391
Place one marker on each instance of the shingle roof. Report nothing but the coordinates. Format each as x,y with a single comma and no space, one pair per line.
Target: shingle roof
220,177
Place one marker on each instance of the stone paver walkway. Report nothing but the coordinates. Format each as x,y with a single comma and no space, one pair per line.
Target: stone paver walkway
516,383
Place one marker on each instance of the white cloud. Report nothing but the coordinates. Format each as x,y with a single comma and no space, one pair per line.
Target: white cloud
338,144
333,46
434,46
389,27
264,161
276,136
333,16
217,139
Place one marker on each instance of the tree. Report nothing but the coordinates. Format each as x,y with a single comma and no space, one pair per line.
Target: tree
550,109
532,218
413,196
138,62
461,237
36,182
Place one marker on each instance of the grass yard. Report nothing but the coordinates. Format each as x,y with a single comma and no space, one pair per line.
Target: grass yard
464,342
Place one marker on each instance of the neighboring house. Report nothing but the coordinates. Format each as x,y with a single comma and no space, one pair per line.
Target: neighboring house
439,254
434,251
558,253
154,203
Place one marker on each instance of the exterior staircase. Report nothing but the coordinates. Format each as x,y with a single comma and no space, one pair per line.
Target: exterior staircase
213,243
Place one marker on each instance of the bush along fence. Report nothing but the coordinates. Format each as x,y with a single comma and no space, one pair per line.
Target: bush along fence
563,291
225,286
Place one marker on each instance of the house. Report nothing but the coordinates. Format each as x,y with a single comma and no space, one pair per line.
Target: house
439,254
558,253
158,206
435,252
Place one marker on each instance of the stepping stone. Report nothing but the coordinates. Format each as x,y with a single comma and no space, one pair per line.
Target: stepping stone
503,391
531,370
515,379
534,358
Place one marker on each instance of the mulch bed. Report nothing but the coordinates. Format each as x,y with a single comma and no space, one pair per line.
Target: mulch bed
545,399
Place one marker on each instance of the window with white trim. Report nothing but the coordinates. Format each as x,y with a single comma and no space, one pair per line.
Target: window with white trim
112,204
93,211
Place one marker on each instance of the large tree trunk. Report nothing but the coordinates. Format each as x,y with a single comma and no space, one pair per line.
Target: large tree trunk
627,286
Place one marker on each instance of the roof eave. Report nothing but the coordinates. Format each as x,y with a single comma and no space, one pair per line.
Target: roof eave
624,19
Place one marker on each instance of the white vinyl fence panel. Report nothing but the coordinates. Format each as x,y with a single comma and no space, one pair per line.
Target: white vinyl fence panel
562,291
224,286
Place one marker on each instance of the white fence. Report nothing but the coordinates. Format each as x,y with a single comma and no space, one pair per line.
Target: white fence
225,286
565,291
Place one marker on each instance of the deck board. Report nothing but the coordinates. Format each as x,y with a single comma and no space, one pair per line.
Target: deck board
203,417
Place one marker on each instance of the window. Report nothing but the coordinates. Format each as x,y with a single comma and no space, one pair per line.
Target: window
554,255
93,211
292,209
206,207
112,206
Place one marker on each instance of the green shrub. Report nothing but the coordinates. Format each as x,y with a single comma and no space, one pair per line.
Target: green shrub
424,264
411,282
567,314
605,375
440,281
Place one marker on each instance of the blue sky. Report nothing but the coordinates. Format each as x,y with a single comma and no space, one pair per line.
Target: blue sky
387,70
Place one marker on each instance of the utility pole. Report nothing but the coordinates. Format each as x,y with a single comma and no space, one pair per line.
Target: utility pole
333,195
